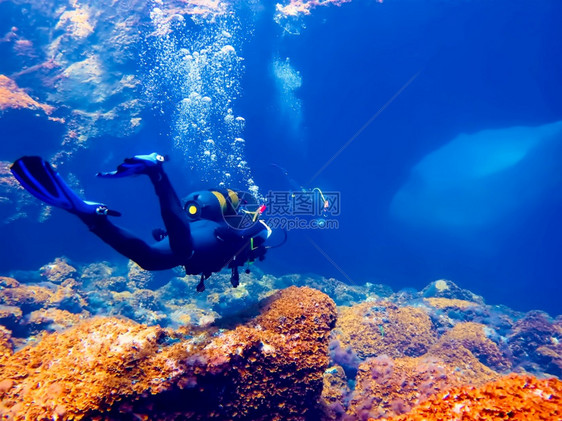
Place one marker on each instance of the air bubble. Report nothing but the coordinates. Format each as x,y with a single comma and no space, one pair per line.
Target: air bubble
228,49
198,69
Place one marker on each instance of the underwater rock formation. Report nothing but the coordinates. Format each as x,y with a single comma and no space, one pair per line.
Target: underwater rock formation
472,336
535,342
386,386
57,271
263,350
381,327
80,61
444,288
106,367
513,397
11,96
6,346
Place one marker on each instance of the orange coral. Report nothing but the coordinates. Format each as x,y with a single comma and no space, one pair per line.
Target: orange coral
449,303
285,313
334,392
6,346
57,271
387,387
77,370
513,397
10,315
390,387
6,282
380,327
33,297
473,337
55,318
25,296
272,367
466,365
11,96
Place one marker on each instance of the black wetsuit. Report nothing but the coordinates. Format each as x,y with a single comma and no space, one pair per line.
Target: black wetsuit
202,245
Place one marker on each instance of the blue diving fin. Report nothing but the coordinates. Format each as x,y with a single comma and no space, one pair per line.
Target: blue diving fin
139,164
39,178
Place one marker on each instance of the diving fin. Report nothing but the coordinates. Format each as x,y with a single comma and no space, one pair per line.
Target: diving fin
139,164
39,178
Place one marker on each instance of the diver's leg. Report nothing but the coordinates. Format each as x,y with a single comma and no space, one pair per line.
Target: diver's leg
39,178
157,257
173,215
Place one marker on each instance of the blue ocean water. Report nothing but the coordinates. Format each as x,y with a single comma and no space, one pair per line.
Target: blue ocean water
446,113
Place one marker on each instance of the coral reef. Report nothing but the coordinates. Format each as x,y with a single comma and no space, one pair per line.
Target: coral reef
11,96
473,337
57,271
254,352
466,366
389,387
449,303
535,342
6,346
271,367
76,371
335,392
26,297
444,288
513,397
10,315
80,60
381,327
53,320
28,309
139,277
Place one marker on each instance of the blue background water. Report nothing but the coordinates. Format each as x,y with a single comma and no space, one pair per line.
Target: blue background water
479,65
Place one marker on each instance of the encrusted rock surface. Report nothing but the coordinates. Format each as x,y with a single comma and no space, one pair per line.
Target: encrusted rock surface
271,367
254,352
520,398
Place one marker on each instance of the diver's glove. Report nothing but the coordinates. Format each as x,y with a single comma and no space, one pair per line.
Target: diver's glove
139,164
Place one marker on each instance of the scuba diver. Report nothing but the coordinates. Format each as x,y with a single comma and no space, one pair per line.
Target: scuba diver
213,230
